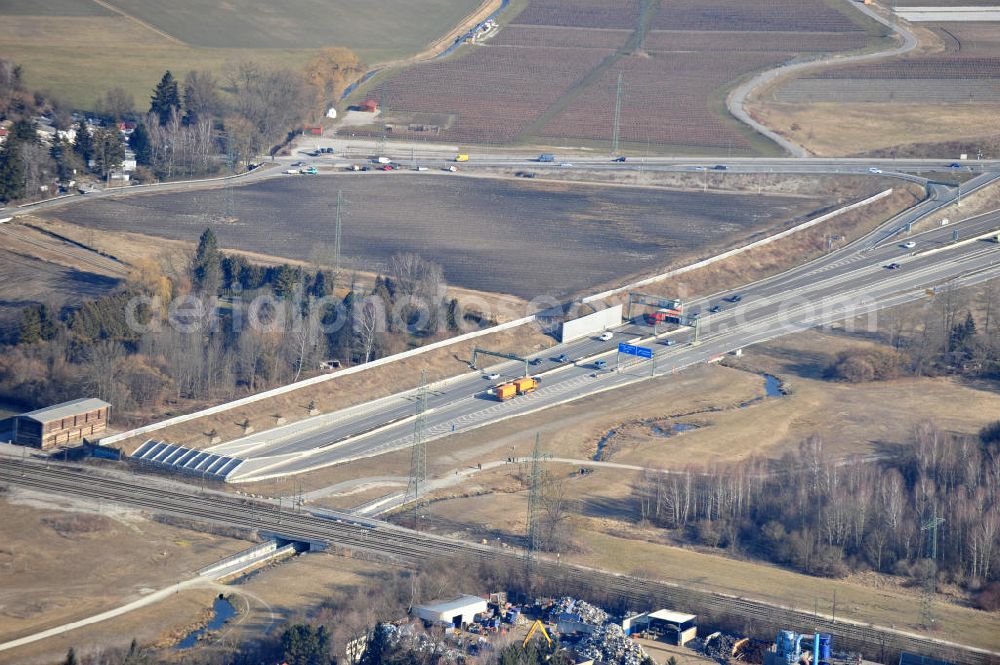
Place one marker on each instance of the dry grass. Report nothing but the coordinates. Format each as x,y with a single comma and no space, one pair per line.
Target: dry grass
781,255
887,605
59,564
162,623
346,391
831,130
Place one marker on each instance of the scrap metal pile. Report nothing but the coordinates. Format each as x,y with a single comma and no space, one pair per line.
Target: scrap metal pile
609,644
588,614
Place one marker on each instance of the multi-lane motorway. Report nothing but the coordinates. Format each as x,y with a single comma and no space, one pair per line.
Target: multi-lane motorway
850,282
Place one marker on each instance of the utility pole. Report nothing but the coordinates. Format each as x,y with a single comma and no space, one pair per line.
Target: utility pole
418,459
534,504
336,236
618,115
930,583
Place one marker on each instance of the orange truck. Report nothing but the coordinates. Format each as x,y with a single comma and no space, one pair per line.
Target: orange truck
521,386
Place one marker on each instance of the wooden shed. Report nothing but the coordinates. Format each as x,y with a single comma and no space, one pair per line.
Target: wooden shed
62,424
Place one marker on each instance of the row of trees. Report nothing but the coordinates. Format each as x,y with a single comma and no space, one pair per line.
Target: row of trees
825,516
193,127
219,328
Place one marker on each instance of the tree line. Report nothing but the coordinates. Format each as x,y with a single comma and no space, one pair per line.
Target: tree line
248,327
825,516
200,125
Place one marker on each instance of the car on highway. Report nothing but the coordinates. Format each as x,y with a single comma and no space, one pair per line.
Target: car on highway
667,342
735,298
700,168
600,364
892,266
525,174
720,167
493,376
387,167
606,335
422,168
535,361
954,165
566,164
909,244
562,358
715,309
874,170
618,159
311,170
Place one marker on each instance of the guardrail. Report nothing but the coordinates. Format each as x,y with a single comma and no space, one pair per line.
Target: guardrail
734,252
281,390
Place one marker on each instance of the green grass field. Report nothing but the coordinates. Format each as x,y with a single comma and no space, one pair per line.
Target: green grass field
76,50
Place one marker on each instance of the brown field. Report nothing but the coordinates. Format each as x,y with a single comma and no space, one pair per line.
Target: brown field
552,74
58,566
662,109
557,238
774,15
38,268
837,129
939,101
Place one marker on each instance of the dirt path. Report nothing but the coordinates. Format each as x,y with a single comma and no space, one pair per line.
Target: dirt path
736,102
439,46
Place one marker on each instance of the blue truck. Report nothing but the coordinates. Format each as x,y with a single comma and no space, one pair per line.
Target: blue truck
546,157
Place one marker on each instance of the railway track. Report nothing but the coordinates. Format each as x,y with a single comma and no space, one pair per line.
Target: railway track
407,546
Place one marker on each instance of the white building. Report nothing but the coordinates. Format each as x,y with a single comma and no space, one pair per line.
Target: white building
456,612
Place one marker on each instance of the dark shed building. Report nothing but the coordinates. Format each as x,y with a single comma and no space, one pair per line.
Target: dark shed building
62,423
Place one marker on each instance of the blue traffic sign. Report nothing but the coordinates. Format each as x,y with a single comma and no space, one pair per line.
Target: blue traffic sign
632,350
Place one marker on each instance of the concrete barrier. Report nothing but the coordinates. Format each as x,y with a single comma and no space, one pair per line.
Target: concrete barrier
322,378
281,390
734,252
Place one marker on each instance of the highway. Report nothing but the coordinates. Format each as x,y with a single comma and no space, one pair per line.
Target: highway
852,281
338,530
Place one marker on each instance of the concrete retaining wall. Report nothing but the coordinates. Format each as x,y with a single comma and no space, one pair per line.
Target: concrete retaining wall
592,323
281,390
733,252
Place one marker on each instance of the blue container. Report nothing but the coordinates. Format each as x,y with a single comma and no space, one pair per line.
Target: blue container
825,643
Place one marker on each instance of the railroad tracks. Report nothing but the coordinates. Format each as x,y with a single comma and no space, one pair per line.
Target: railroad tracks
407,546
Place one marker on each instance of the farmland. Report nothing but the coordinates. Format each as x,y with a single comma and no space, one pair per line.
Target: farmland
947,93
78,50
557,238
551,74
659,108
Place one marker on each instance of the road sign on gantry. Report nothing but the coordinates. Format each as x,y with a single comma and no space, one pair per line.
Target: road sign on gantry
632,350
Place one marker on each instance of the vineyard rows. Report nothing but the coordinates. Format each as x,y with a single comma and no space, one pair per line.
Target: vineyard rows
970,39
499,92
581,13
494,92
665,101
945,67
756,15
792,42
554,37
887,91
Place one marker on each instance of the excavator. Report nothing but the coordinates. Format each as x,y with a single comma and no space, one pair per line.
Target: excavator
538,626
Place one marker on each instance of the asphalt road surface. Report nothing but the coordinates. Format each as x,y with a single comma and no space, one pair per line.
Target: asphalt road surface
853,281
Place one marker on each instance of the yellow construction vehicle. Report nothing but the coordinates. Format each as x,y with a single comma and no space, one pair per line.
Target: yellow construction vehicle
535,627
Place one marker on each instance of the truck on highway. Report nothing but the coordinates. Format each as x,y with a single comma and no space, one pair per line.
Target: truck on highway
522,386
383,160
662,316
461,157
546,157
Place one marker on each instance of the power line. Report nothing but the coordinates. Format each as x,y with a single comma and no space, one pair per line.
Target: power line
418,459
618,115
